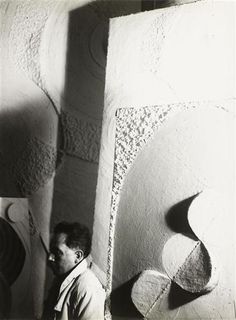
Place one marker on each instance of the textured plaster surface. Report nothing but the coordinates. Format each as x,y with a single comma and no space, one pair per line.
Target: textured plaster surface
174,166
195,273
27,24
81,138
35,166
150,286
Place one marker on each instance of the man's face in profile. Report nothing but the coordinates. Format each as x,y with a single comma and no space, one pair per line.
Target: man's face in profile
62,259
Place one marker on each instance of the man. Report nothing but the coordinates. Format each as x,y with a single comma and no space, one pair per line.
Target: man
76,292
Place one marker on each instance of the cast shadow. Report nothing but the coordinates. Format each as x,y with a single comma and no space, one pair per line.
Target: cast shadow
82,106
177,218
20,126
121,302
178,297
76,176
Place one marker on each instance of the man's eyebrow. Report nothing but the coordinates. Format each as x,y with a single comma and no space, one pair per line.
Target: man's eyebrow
56,249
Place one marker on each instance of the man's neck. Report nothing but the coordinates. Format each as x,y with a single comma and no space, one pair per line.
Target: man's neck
63,276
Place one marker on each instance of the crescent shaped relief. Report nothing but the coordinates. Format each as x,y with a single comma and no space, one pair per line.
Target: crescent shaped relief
188,262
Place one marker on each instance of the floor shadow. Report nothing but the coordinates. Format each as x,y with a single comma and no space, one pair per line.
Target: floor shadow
121,302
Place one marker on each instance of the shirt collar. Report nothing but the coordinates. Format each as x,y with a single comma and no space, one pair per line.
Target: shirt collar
66,284
80,268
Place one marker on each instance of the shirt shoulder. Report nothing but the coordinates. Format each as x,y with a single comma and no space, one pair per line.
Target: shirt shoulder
87,297
87,284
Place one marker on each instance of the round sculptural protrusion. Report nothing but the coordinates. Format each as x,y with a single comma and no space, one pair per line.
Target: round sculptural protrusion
189,264
150,295
189,259
16,213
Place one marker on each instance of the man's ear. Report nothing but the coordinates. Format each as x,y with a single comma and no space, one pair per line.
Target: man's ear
79,255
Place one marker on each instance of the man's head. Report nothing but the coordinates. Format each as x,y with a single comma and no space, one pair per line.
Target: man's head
70,244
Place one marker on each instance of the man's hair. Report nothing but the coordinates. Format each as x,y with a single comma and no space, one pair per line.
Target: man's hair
77,235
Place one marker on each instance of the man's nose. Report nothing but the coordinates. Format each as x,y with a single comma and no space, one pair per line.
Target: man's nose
51,257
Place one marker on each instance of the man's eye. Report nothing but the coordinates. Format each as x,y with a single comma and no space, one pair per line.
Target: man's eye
58,253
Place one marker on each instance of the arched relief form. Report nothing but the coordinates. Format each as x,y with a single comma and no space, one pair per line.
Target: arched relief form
25,36
170,165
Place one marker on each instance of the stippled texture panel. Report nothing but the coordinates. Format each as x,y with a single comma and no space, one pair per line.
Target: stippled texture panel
35,165
28,22
81,138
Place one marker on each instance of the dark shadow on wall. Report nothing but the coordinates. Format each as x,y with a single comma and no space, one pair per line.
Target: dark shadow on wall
121,302
82,109
27,157
80,118
12,259
13,136
179,297
177,218
158,4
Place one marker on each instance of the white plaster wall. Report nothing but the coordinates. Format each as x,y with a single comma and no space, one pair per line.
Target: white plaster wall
175,59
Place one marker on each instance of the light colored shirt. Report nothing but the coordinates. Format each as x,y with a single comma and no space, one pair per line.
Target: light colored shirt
81,296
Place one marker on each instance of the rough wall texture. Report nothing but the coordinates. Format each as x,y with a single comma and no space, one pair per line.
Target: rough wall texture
180,80
81,138
28,22
35,166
